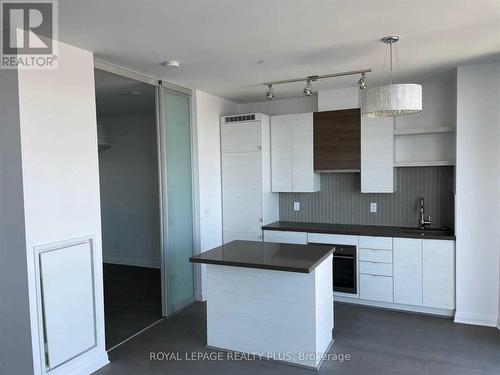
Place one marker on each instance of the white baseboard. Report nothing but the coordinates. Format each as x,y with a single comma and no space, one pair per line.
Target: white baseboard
131,262
488,320
395,306
84,364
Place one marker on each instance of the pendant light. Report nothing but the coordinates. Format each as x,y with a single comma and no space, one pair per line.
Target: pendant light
393,99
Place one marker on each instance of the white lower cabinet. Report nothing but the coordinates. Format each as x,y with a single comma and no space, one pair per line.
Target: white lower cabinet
375,287
408,271
417,273
438,258
285,236
375,268
335,239
371,255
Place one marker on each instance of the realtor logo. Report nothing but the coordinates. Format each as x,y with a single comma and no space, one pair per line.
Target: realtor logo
29,31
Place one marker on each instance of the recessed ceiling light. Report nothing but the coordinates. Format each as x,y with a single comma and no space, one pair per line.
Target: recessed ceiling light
174,63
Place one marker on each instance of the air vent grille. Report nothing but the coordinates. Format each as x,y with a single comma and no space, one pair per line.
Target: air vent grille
240,118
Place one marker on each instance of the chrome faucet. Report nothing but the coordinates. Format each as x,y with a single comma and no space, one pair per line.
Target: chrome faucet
422,221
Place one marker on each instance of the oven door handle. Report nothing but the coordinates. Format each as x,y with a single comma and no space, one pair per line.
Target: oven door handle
343,256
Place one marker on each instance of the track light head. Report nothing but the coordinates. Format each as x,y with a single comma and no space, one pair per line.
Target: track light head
308,88
270,92
362,81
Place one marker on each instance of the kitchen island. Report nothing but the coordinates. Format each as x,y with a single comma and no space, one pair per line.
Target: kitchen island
271,300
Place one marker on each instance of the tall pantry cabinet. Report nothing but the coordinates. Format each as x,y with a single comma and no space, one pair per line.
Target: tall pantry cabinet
247,200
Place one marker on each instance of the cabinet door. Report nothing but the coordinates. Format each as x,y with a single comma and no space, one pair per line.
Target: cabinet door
375,287
407,271
377,155
304,178
337,140
281,153
242,192
285,237
241,136
439,274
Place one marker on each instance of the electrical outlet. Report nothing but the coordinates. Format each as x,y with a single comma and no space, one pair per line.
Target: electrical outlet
373,207
296,206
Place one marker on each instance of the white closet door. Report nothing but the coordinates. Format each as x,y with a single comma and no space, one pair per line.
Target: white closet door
68,301
281,153
241,136
304,178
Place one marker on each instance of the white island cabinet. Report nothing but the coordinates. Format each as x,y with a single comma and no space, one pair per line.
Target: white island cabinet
270,299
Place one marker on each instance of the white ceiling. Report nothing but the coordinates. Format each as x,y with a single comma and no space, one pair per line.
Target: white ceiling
220,41
120,96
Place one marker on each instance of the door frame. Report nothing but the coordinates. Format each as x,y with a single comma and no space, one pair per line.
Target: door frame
159,87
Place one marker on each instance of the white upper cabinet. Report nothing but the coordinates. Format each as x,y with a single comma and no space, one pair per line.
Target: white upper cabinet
292,157
377,155
281,153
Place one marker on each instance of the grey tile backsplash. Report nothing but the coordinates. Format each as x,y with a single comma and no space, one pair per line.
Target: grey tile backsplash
341,201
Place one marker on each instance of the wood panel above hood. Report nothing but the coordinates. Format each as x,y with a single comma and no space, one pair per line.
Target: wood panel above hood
337,140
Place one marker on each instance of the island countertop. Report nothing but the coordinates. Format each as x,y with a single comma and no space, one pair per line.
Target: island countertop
266,255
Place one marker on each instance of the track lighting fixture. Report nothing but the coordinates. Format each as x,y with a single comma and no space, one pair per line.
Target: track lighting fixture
308,88
309,79
362,81
270,92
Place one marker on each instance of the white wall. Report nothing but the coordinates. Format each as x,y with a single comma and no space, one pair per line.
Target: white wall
15,339
300,104
129,192
478,194
331,100
206,112
60,174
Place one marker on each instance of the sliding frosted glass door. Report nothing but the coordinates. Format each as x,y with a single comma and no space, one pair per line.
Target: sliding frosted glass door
178,274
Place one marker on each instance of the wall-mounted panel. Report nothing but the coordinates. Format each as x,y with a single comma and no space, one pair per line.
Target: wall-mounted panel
67,295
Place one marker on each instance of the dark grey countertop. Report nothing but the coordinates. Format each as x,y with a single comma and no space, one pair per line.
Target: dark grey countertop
266,255
362,230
